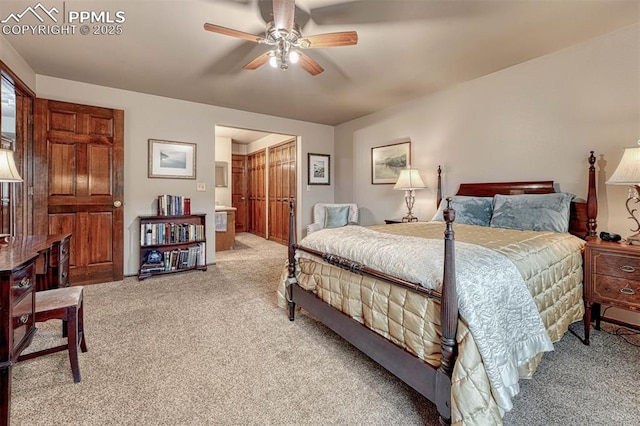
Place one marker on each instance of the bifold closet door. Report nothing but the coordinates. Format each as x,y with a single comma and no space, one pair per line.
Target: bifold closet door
257,206
239,190
282,188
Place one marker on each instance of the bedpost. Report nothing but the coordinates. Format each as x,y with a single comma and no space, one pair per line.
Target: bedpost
291,267
592,200
449,319
439,189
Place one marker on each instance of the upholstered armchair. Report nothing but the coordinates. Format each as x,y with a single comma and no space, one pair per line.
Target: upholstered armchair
327,215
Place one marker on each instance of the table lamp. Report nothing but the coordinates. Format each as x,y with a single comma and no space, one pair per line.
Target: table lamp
8,173
409,180
628,173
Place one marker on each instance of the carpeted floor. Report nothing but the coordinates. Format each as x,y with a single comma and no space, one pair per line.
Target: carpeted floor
213,348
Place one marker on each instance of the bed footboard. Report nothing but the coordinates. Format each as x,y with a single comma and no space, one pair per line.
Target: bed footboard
434,384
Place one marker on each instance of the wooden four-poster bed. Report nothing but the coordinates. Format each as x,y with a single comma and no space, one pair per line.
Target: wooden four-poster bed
380,313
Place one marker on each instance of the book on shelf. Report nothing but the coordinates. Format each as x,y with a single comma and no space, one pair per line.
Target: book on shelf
151,267
173,205
200,258
170,233
183,258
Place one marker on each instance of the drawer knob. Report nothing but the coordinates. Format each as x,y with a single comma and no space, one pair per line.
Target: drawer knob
24,282
627,290
627,268
24,318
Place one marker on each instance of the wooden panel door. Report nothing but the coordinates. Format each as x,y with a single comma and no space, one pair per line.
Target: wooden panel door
257,208
79,182
282,188
239,190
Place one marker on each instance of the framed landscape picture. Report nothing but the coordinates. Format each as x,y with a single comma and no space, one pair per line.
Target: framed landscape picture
388,160
319,169
175,160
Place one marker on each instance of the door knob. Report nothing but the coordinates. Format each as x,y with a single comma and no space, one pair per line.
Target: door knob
117,203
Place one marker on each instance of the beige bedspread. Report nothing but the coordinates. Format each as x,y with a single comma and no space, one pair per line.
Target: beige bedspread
550,265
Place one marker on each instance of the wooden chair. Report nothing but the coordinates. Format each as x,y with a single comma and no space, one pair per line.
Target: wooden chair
65,304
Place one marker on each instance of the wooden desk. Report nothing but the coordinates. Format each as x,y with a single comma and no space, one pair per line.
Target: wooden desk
20,260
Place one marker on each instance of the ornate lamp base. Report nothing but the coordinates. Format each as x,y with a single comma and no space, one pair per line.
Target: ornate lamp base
412,218
634,239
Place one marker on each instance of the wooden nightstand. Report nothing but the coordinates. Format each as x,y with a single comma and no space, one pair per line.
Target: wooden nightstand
612,278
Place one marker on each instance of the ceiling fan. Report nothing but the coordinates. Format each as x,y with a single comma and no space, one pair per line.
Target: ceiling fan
284,35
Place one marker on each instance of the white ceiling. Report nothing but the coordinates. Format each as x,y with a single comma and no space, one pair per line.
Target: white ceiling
406,49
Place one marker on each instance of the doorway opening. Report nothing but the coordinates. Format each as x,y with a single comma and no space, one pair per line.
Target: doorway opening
262,179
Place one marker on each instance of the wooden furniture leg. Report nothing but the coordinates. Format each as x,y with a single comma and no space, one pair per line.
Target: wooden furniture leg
67,305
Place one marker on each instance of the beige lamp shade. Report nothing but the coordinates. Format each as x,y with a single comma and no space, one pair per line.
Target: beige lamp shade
409,179
628,171
8,170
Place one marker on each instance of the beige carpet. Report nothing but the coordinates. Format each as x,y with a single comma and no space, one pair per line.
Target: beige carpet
213,348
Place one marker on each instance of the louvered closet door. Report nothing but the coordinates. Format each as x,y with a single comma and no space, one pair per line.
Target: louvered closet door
282,188
79,182
257,207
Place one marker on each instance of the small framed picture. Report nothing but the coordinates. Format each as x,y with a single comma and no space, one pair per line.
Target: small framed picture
388,160
172,160
319,169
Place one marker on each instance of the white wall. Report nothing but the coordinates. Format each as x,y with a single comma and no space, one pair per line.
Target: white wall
14,61
223,153
148,116
534,121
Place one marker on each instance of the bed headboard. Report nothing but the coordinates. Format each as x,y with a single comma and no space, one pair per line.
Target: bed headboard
582,220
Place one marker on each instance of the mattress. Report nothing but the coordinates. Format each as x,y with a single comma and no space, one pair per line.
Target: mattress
549,263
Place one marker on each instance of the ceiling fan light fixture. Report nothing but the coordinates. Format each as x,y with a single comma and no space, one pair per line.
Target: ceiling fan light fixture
283,34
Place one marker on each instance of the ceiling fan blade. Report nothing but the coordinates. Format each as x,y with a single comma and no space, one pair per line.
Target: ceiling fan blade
257,62
283,13
232,33
346,38
309,65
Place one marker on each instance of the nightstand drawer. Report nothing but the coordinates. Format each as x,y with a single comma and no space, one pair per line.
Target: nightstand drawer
616,291
616,265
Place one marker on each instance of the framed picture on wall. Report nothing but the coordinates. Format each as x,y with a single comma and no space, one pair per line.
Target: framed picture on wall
388,160
172,160
319,169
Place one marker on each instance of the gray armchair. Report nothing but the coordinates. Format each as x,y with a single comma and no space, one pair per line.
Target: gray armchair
331,215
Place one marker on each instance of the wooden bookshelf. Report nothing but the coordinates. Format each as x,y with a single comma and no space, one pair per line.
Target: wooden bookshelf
171,244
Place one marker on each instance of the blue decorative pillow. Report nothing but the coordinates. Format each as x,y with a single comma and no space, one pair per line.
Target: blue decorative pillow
335,217
533,212
469,210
